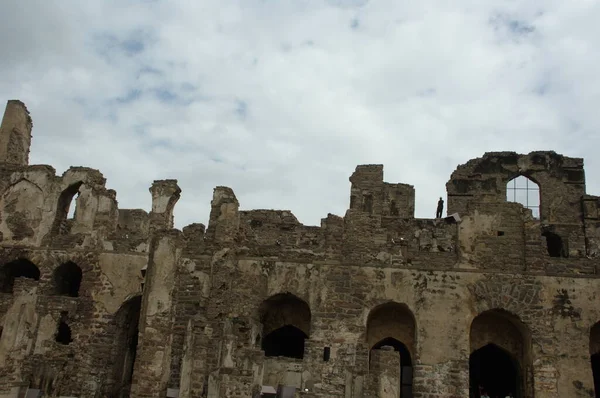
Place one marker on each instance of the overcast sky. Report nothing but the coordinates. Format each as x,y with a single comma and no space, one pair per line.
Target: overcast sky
281,99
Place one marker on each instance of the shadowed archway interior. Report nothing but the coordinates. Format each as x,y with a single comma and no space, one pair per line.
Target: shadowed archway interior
500,356
286,325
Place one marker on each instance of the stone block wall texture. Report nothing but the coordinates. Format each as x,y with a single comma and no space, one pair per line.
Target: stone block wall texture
109,302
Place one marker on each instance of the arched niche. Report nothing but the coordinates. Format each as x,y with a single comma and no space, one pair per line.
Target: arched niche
392,326
20,268
286,324
500,355
124,349
595,357
524,190
67,279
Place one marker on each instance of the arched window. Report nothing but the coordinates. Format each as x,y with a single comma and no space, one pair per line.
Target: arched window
526,192
67,279
66,209
286,324
391,327
595,357
500,355
21,268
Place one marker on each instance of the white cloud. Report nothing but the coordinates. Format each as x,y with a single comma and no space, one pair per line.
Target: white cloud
280,100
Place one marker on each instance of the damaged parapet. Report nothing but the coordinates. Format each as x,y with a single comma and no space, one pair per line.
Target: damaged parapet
165,194
15,134
560,180
224,219
369,193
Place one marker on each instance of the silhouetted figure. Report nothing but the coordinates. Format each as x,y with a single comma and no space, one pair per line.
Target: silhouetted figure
440,208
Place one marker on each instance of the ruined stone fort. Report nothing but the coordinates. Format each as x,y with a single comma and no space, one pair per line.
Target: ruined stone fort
500,295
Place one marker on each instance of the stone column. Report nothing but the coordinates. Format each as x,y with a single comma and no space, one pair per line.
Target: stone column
15,134
385,368
224,217
153,360
165,194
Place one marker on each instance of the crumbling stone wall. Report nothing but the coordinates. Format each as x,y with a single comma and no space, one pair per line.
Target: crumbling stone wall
160,312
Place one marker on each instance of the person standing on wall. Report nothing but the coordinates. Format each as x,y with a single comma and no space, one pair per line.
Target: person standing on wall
440,208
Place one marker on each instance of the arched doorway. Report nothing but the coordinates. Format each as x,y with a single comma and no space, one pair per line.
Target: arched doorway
500,356
21,268
286,325
391,326
595,357
126,324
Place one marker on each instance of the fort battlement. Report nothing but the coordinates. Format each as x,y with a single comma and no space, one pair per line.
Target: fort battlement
101,301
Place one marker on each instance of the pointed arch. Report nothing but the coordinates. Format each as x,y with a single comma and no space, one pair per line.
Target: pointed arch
63,208
67,279
286,325
526,191
391,327
500,357
19,268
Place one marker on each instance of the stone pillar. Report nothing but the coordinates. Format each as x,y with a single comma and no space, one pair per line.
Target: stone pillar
15,134
224,216
385,372
165,194
153,360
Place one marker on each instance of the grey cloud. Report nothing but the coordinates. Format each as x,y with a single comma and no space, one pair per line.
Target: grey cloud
202,92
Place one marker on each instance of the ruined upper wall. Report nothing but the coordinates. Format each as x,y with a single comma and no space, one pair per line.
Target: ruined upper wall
561,181
369,193
15,134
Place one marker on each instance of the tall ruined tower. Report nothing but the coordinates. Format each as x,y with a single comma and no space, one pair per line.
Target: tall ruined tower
15,134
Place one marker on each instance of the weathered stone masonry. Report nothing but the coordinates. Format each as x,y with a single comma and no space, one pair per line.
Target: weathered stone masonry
114,302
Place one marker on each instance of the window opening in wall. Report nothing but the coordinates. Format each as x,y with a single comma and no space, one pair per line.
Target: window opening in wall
286,326
526,192
66,205
326,354
67,279
555,245
63,334
72,206
493,370
125,346
20,268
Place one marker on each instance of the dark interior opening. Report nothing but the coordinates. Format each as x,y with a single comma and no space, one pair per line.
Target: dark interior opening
63,335
406,371
596,373
125,348
67,279
287,341
555,245
20,268
493,370
326,354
